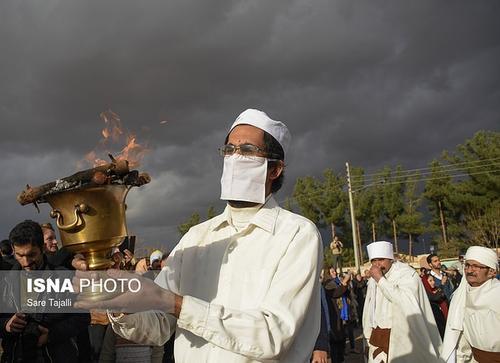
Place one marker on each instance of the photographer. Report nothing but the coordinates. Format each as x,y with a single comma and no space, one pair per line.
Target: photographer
38,337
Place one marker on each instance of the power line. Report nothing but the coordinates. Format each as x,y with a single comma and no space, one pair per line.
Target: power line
319,193
436,178
426,173
444,166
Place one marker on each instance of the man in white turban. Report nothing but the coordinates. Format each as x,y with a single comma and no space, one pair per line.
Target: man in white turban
473,328
398,323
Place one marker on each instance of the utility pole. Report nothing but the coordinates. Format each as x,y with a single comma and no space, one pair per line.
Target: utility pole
353,219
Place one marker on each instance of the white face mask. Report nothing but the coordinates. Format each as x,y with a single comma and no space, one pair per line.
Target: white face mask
244,178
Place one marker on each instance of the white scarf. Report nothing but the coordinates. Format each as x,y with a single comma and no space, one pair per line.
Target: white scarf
456,314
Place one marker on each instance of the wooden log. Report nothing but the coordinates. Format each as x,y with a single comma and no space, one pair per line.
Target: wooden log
97,176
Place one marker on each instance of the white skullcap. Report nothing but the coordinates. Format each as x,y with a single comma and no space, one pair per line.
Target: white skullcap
276,129
483,255
155,256
380,249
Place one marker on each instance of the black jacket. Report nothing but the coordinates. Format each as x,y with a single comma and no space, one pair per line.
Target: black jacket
322,342
6,262
63,329
334,292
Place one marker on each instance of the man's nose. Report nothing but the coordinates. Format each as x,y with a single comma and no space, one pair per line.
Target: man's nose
24,261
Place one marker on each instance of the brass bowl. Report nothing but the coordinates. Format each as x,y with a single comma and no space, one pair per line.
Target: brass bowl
91,221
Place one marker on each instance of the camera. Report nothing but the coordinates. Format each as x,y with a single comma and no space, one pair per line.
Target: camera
27,349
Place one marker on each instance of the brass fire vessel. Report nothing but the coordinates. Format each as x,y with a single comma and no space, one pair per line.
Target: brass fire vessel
89,208
91,221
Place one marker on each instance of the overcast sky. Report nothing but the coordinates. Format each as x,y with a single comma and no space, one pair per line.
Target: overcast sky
372,83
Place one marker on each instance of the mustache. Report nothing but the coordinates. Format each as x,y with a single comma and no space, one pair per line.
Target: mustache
470,274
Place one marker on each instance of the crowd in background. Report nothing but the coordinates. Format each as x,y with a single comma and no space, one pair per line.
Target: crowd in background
344,293
68,337
342,298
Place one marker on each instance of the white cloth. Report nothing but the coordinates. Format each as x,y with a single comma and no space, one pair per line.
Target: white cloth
249,296
241,217
436,275
483,255
473,321
276,129
399,302
244,178
380,249
155,256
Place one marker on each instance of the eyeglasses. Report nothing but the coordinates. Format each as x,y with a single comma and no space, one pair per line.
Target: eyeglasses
245,149
474,267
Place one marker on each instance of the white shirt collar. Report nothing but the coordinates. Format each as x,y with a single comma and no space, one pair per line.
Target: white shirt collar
265,218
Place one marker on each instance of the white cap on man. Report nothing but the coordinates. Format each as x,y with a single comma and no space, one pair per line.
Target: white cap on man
483,255
380,249
155,256
261,120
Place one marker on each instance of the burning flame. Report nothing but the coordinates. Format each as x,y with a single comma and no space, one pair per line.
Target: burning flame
113,135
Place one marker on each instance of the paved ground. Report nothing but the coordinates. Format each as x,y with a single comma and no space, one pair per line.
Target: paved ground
355,358
352,357
349,358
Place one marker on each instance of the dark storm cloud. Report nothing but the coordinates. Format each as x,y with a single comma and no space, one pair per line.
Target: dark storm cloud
370,83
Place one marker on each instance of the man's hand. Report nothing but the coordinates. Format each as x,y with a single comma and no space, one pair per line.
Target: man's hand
44,336
376,272
16,323
79,263
145,295
319,356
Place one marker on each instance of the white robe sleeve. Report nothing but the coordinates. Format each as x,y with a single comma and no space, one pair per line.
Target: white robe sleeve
147,328
414,335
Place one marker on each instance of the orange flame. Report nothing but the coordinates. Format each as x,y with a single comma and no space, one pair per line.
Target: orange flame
113,135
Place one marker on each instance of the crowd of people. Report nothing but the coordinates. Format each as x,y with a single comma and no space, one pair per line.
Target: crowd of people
68,337
245,286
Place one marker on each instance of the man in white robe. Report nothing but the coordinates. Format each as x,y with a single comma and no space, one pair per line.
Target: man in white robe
473,328
243,286
398,323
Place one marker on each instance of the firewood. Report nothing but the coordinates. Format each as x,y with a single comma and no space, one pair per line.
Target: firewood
95,176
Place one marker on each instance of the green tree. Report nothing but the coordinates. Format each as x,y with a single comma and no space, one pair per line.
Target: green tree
288,204
484,228
440,193
392,197
375,204
323,202
410,220
479,158
192,221
306,192
211,212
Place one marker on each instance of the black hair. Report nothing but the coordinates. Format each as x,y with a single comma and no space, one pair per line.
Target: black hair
164,256
47,225
273,147
27,232
429,258
5,248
